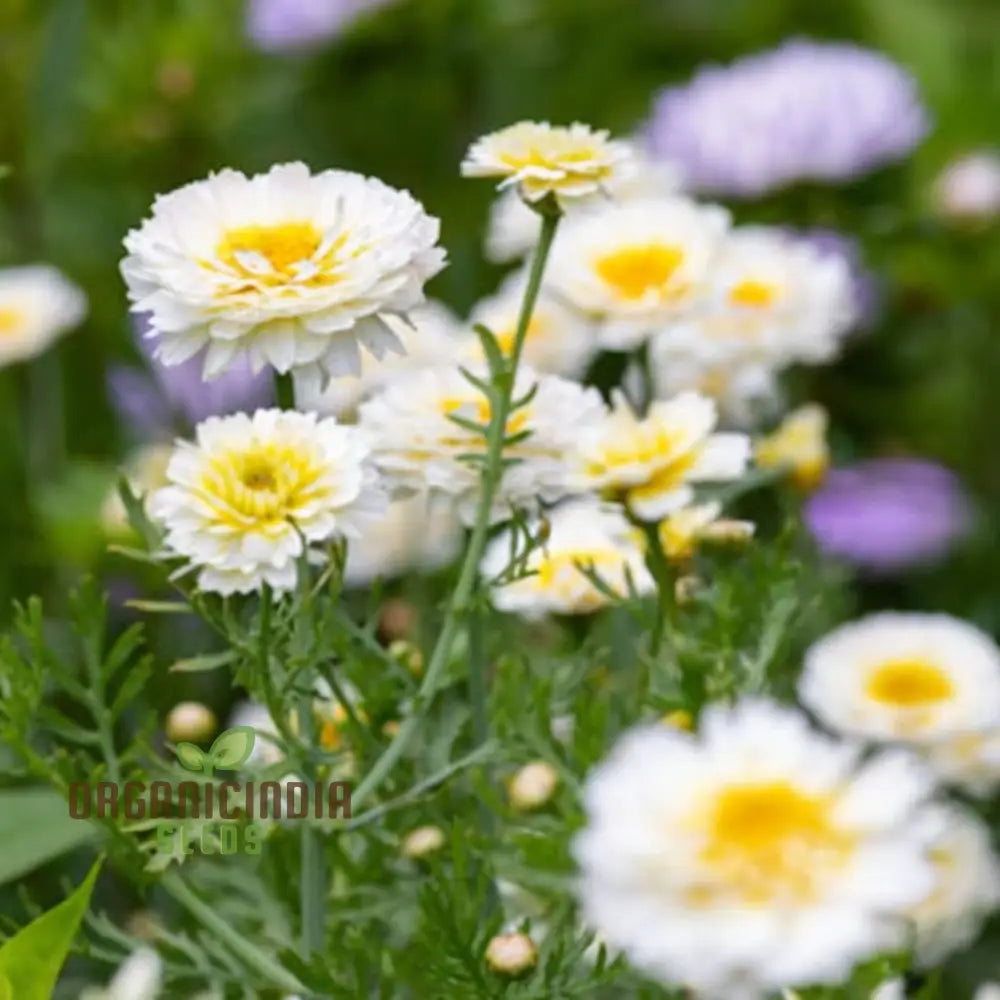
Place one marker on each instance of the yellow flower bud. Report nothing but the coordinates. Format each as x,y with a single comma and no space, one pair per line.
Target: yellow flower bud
190,722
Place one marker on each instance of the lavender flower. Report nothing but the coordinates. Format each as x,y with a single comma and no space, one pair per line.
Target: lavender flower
277,25
886,514
806,110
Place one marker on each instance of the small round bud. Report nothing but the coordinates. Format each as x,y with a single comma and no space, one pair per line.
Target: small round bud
409,655
533,785
685,589
511,954
422,841
680,719
191,722
397,619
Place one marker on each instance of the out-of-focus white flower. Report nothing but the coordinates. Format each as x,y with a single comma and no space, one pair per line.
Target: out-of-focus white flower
798,447
654,460
145,471
419,447
533,785
772,299
570,162
37,304
584,537
558,340
904,676
255,715
511,954
891,990
968,189
431,335
290,269
253,494
422,841
191,721
139,977
514,227
756,855
681,532
967,884
988,991
636,267
970,761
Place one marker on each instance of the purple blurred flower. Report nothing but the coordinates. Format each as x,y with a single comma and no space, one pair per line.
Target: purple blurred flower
865,284
806,110
154,401
886,514
277,25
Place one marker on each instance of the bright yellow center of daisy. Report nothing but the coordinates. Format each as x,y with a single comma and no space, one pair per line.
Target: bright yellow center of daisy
554,158
505,338
909,683
753,294
11,320
634,271
771,841
283,246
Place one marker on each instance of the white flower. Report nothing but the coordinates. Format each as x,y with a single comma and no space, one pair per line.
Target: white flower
255,715
772,299
681,532
139,977
418,446
37,304
904,676
558,340
970,761
654,460
635,267
431,334
514,227
416,532
966,888
798,447
573,161
891,990
584,538
757,855
968,189
988,991
289,269
145,471
253,494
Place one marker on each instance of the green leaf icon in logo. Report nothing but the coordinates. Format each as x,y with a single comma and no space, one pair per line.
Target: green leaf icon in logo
233,747
192,757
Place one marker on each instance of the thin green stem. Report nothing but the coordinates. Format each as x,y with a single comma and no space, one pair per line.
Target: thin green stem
312,874
253,956
660,569
492,473
284,391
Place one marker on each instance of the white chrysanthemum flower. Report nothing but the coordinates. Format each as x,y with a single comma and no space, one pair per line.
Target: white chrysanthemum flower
584,538
418,446
558,340
904,676
253,494
636,267
514,227
798,447
139,977
570,162
967,884
756,855
417,532
255,715
431,334
654,461
970,761
37,304
682,532
290,269
773,299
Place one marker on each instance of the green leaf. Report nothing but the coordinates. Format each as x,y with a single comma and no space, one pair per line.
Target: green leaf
192,757
35,827
233,747
30,961
210,661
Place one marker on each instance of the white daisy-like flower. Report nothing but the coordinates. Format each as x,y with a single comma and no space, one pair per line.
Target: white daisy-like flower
253,494
636,267
967,884
772,298
558,340
417,445
290,269
682,532
904,676
514,227
653,461
585,539
568,161
970,761
417,532
139,977
37,305
431,334
756,855
798,447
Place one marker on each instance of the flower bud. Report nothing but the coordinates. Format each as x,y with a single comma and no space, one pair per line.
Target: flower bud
396,619
422,841
533,785
191,722
511,954
409,655
685,589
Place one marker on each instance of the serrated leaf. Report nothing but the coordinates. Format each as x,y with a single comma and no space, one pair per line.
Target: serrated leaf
192,757
233,747
209,661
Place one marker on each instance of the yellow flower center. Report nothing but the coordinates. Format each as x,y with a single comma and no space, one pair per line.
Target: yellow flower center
753,294
634,271
770,841
505,337
909,684
551,159
283,246
11,320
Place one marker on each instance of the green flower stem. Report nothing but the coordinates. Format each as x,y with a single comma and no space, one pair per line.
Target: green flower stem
659,567
313,874
492,473
253,956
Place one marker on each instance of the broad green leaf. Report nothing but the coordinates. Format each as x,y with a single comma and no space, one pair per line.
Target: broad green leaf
6,993
35,826
233,747
30,961
192,757
210,661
